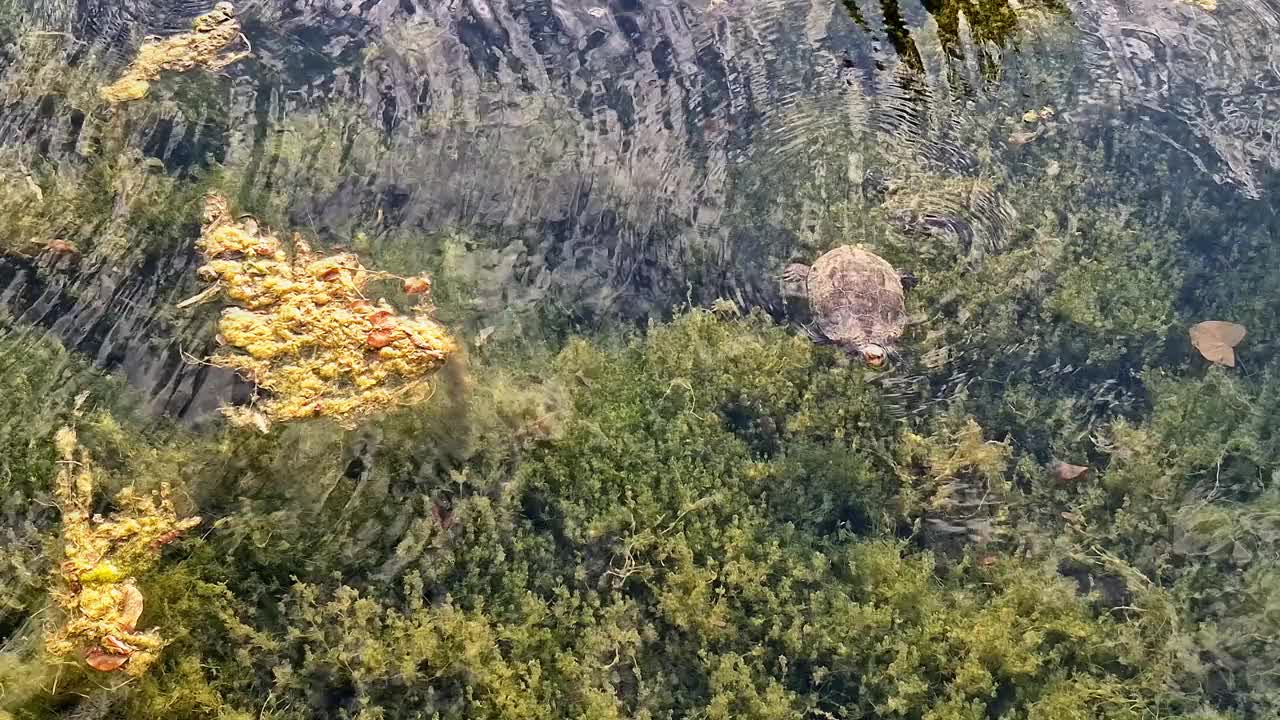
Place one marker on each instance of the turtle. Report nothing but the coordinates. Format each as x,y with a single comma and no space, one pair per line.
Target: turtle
856,298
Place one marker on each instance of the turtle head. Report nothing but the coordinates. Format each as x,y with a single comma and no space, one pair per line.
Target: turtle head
874,355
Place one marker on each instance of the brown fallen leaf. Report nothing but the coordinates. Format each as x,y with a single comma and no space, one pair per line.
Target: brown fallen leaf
1022,137
420,285
130,607
103,661
380,338
1064,471
1216,340
61,247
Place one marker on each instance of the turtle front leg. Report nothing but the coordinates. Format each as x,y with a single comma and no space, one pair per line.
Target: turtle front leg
815,335
796,273
795,279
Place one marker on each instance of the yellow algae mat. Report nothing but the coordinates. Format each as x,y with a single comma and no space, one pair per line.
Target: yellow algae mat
302,328
210,34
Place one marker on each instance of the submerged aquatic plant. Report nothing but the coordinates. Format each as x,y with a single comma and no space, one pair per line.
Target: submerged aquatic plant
210,34
715,519
97,591
303,330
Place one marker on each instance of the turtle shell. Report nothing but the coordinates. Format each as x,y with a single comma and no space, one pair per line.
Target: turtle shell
856,298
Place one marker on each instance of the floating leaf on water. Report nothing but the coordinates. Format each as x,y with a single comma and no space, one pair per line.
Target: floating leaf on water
1216,340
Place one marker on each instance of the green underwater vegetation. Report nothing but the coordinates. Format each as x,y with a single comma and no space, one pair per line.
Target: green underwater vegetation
706,516
709,518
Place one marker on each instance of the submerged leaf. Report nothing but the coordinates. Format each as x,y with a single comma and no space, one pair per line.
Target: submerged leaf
103,661
1216,340
1064,471
130,606
419,285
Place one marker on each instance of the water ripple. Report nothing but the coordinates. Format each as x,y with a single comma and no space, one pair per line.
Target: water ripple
1208,80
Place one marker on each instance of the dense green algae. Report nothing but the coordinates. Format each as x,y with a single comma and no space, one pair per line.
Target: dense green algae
712,518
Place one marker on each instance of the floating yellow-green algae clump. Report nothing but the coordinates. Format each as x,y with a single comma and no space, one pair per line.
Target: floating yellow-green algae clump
303,330
96,593
210,34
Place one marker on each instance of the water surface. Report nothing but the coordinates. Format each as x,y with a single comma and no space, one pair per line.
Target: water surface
1071,184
